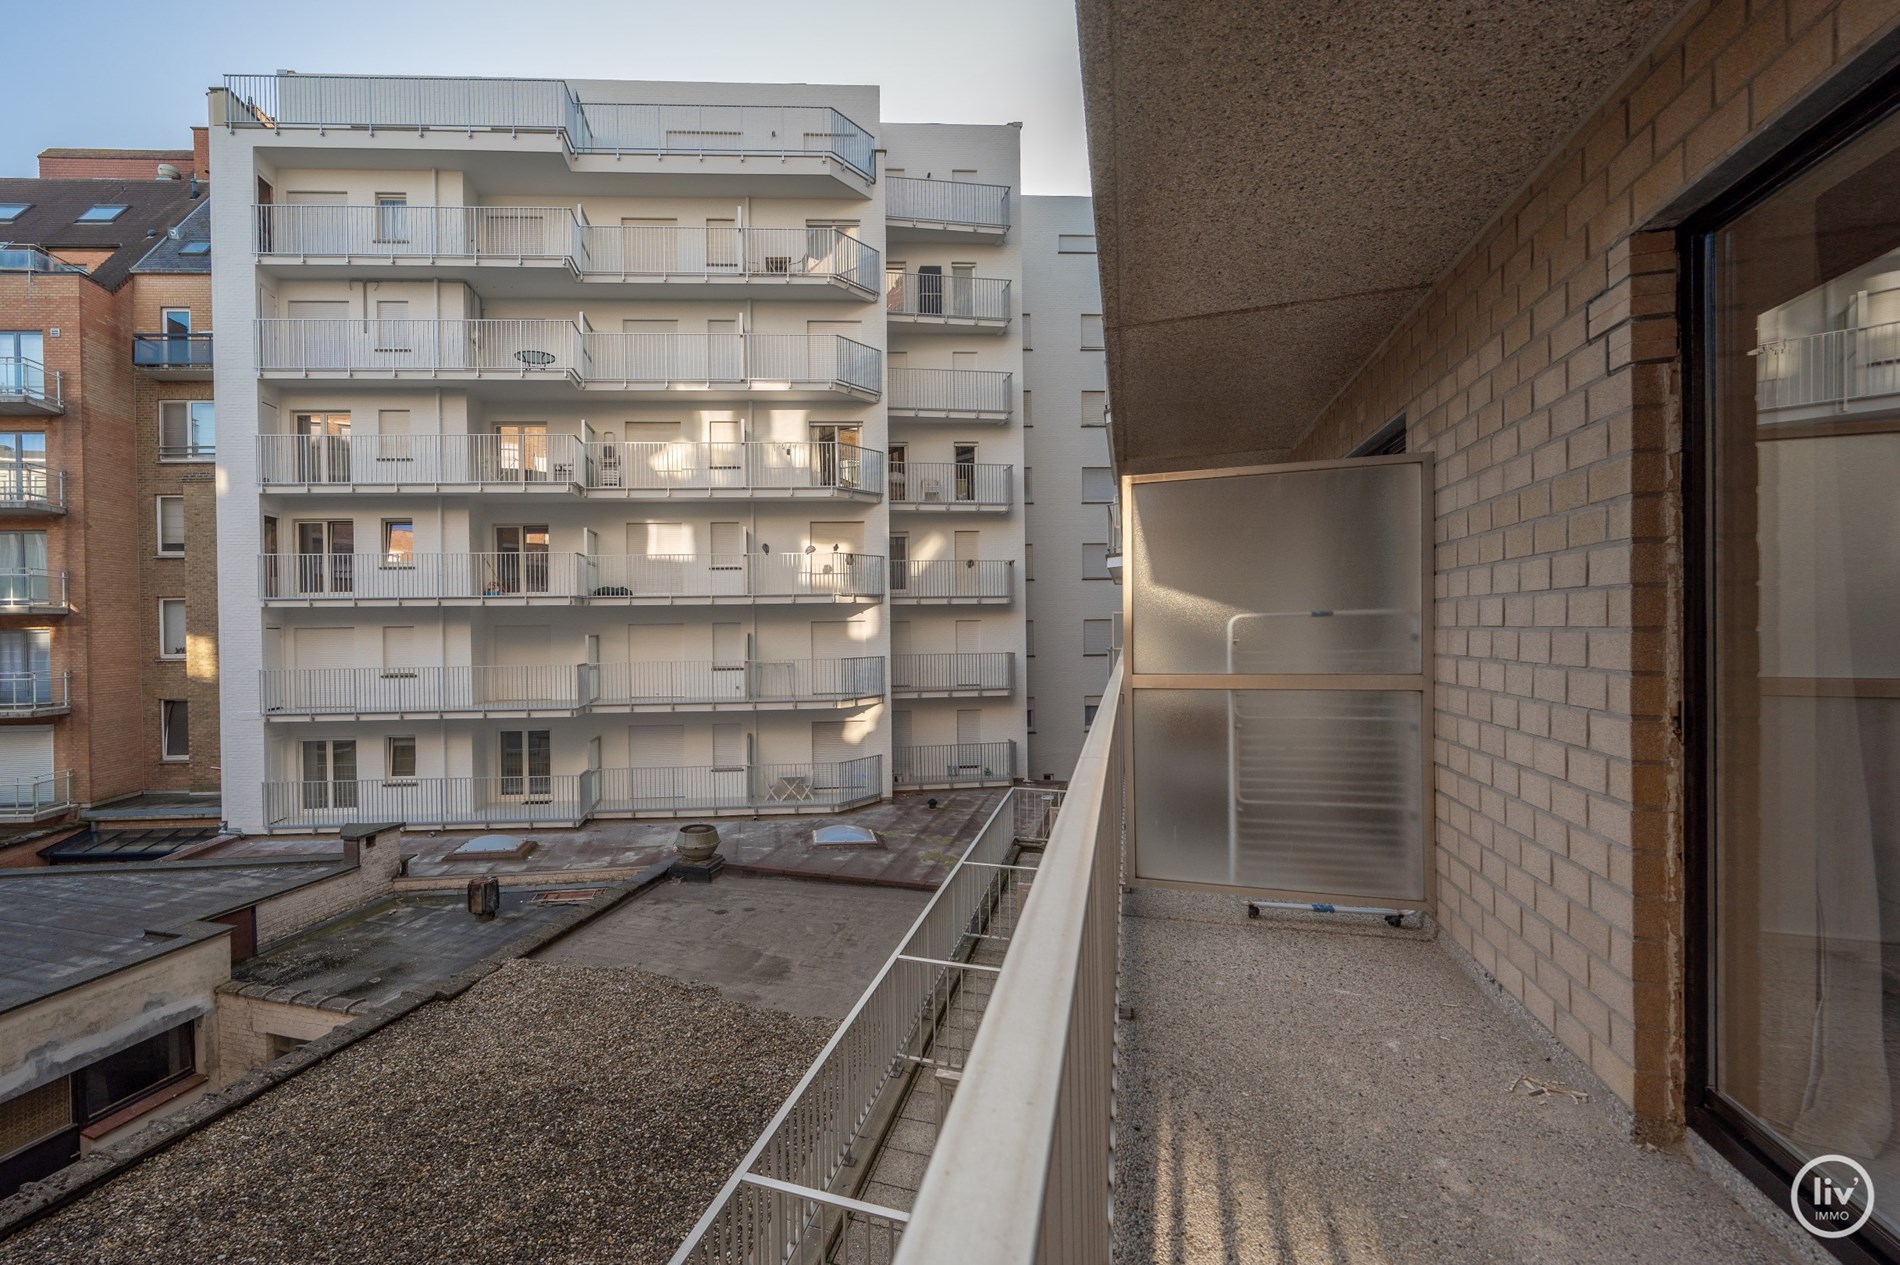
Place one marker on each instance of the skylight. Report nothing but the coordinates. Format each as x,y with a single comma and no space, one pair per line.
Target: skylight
103,213
11,211
195,248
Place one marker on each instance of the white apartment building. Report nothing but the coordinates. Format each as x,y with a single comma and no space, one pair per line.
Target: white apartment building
1074,604
604,448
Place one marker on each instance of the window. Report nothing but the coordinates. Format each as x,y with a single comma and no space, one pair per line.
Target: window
195,248
1098,485
527,762
392,217
174,322
121,1079
102,213
399,542
400,756
1029,418
1095,408
1029,713
1092,331
1029,562
171,627
1027,341
174,729
1095,562
1029,638
24,577
1098,636
11,211
1029,485
1075,244
187,430
171,525
1090,705
36,1115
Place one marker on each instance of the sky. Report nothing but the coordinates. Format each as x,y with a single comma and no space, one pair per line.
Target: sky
138,74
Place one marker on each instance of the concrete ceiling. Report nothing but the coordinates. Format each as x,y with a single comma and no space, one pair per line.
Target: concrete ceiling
1278,182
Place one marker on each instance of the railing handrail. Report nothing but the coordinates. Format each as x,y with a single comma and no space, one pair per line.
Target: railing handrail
17,374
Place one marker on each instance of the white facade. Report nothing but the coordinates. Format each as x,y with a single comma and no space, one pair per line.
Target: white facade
1074,608
558,481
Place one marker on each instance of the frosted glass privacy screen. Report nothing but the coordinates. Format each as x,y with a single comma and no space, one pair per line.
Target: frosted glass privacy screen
1296,571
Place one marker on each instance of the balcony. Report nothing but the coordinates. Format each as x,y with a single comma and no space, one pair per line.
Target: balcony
719,579
32,490
464,241
28,694
954,582
952,486
36,798
799,149
423,693
179,357
1839,371
952,395
29,389
928,301
738,685
985,674
34,259
1114,557
33,591
572,798
538,352
945,210
948,764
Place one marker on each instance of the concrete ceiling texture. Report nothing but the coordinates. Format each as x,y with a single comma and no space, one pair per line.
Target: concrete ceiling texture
1279,182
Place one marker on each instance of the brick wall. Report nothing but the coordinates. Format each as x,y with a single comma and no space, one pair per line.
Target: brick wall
245,1026
1542,372
108,164
372,879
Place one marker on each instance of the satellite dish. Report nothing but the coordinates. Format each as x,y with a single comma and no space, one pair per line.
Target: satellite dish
166,171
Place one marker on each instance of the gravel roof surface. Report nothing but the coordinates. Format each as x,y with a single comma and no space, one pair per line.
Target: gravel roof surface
549,1114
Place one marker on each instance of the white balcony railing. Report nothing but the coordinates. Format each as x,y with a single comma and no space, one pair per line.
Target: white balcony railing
33,488
665,466
525,348
31,798
631,577
932,295
474,689
1836,367
737,682
953,580
31,385
41,693
954,202
658,252
24,258
952,673
32,588
954,764
962,394
405,577
953,484
794,360
434,801
672,792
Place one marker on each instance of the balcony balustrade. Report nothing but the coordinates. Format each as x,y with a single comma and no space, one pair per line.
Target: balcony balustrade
953,764
638,579
39,693
33,590
952,485
957,581
1838,368
36,798
952,675
176,356
32,490
952,395
744,683
405,579
930,300
30,388
34,259
963,209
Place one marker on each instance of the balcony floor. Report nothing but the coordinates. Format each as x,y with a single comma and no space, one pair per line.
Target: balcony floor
1298,1089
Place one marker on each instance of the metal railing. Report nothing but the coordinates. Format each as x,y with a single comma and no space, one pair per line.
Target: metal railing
35,693
818,1147
28,798
1114,509
514,234
736,681
548,105
31,382
523,347
471,688
1831,368
436,801
679,466
931,294
954,579
637,252
1023,1168
32,487
822,360
719,575
967,483
959,202
398,577
33,259
172,351
32,587
953,763
955,393
705,788
384,460
947,673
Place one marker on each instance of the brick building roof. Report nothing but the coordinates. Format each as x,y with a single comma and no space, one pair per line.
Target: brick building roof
53,207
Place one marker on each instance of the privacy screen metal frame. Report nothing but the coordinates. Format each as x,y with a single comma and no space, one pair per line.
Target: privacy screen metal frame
1419,683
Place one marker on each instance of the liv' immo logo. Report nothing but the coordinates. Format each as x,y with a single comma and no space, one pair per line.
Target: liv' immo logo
1824,1195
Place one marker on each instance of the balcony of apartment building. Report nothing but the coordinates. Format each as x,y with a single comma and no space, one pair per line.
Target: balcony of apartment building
951,395
918,210
178,356
970,674
550,578
954,582
927,301
503,351
789,150
961,487
24,799
39,692
501,691
943,765
1805,377
33,591
554,250
530,462
1114,542
32,489
29,389
556,799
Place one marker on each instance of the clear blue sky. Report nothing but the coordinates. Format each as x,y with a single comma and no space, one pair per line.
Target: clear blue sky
134,75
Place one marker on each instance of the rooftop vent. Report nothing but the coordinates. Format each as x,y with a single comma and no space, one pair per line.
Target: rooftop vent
166,171
845,837
494,848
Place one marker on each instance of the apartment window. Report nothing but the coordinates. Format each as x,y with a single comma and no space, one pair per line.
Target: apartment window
1095,562
1098,485
1095,408
36,1115
1098,636
187,430
102,213
1029,486
171,525
1090,705
11,211
1028,342
171,627
1029,562
1029,638
1029,713
1029,418
1092,331
1075,244
399,542
400,757
120,1079
527,762
392,217
174,729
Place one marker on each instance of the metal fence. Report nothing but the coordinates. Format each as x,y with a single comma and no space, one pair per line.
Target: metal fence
523,347
33,587
822,360
954,580
680,466
708,788
436,801
470,688
1830,368
953,763
972,394
737,681
26,798
385,460
387,577
30,381
20,258
951,483
959,202
660,251
980,670
32,487
35,693
516,234
729,131
932,294
631,576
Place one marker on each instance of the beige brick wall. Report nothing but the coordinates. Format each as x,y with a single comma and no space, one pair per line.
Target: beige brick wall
290,913
245,1025
1543,373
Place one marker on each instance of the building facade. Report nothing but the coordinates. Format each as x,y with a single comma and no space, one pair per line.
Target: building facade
613,449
